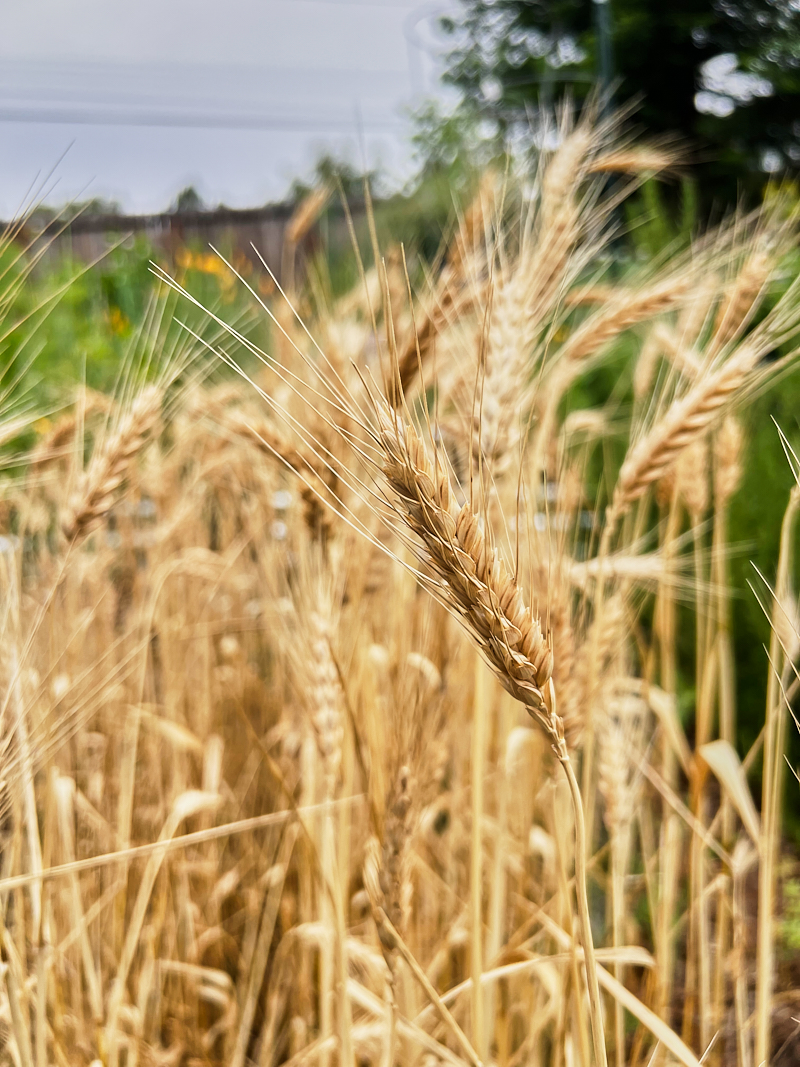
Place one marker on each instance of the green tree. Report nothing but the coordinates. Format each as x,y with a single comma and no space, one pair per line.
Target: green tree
188,199
722,74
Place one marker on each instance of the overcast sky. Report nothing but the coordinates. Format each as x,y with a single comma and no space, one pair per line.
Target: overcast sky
236,97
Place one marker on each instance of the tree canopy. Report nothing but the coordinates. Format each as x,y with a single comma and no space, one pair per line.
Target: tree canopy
722,74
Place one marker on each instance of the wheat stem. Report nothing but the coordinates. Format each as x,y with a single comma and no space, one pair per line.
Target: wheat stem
392,939
476,869
583,911
774,742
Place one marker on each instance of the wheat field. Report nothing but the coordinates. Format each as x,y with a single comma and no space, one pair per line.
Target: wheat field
341,681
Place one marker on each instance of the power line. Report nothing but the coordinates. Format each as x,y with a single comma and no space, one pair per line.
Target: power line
53,115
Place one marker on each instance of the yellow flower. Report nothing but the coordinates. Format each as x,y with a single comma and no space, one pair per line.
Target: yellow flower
118,321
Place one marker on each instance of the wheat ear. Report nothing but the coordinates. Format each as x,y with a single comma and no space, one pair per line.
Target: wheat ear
742,297
685,421
692,473
622,313
303,218
475,581
526,296
265,437
325,700
727,460
633,161
306,213
108,467
319,481
594,334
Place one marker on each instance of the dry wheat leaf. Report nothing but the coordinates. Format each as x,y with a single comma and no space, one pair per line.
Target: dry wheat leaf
723,760
665,708
173,732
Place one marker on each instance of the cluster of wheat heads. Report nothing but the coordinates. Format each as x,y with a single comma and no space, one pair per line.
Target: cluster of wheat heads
340,695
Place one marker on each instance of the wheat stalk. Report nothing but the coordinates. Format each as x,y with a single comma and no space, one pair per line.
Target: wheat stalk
453,292
478,587
774,745
617,782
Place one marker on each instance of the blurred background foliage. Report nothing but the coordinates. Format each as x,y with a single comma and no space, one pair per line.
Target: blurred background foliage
723,76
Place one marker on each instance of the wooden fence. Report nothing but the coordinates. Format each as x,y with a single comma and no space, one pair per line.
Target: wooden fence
237,233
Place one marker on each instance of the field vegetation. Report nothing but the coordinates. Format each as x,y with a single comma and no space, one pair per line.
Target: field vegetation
372,661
